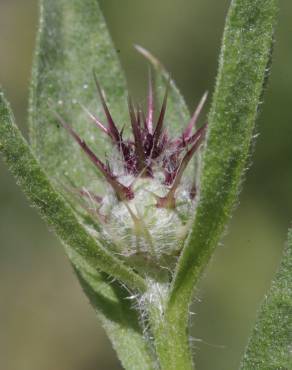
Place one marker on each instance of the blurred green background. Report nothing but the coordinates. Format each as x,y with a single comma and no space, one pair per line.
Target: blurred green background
45,320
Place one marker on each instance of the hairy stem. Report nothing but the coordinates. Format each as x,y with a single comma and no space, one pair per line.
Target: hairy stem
172,343
172,348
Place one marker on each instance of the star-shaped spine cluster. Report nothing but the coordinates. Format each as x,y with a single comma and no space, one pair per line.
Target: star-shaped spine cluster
150,149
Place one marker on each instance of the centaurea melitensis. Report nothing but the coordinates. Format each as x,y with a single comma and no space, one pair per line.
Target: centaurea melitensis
147,204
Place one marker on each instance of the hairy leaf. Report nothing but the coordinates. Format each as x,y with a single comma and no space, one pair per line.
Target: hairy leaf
270,345
242,72
87,256
72,42
50,204
120,320
244,58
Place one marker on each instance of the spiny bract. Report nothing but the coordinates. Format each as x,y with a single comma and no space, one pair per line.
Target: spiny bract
147,206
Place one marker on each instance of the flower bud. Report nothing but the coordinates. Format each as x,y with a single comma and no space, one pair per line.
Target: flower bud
147,205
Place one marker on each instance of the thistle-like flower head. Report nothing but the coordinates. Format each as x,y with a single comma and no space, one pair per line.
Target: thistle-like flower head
147,204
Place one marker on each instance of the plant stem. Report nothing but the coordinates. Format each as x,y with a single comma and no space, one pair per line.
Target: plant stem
170,330
172,344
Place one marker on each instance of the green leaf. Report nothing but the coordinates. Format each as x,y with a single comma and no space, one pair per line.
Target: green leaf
55,211
270,345
244,58
121,323
72,41
242,72
119,318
